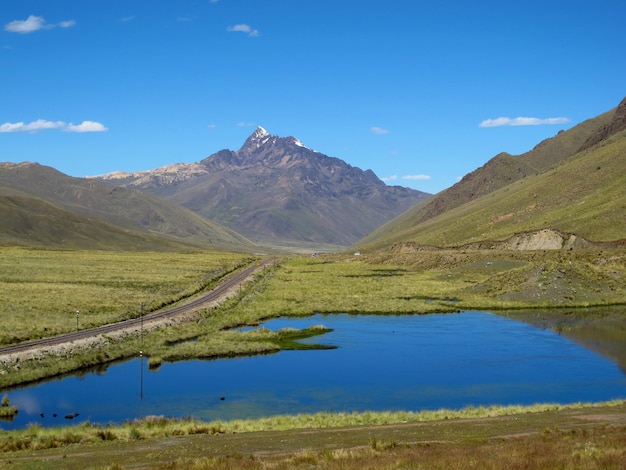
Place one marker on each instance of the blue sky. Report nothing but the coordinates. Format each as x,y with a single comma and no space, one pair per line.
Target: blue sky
421,92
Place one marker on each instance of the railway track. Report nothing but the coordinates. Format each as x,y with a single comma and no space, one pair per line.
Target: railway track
188,307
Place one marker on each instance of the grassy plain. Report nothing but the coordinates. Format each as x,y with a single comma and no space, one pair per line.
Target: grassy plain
40,291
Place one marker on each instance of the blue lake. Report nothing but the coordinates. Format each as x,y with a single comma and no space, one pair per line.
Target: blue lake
381,363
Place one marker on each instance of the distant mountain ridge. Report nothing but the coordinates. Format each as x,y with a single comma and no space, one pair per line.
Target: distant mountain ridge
275,189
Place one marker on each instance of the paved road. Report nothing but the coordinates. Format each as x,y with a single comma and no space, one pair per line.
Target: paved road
198,302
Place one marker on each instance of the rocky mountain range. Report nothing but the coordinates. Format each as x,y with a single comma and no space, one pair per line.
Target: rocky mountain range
276,190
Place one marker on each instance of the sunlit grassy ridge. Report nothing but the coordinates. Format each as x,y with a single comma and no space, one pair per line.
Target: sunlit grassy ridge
584,194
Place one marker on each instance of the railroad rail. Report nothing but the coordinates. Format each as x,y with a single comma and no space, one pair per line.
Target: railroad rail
216,294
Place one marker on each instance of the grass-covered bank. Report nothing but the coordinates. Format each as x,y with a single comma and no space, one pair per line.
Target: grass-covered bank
151,427
541,436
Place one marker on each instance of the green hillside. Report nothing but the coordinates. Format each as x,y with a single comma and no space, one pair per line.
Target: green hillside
32,222
41,206
504,168
583,193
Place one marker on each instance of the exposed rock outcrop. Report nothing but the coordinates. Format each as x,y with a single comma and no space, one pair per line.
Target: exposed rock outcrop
545,239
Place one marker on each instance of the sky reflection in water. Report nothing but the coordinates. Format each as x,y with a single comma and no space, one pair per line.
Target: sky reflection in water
381,363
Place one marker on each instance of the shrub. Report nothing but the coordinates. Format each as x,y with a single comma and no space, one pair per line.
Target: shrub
6,410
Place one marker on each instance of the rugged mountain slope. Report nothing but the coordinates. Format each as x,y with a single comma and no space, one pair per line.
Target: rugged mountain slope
582,193
276,190
37,199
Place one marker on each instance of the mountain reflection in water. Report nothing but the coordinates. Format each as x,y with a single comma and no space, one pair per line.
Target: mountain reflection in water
602,330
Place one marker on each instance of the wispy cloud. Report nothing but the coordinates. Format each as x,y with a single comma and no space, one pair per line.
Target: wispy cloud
416,177
243,28
67,24
126,19
34,23
378,130
245,124
390,178
42,124
522,121
406,177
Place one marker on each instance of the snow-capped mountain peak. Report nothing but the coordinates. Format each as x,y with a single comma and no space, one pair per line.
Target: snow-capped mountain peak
259,137
260,132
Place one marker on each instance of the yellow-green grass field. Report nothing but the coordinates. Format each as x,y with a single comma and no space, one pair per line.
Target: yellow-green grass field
41,290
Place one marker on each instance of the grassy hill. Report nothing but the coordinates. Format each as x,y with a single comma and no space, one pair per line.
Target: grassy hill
42,206
33,222
553,186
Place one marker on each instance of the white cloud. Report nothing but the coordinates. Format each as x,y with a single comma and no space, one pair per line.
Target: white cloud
34,126
243,28
42,124
245,124
211,126
416,177
85,126
34,23
378,130
522,121
390,178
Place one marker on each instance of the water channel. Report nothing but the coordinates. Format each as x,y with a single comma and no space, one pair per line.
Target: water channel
380,363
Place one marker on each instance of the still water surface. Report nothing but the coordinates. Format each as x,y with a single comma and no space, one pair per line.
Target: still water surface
381,363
